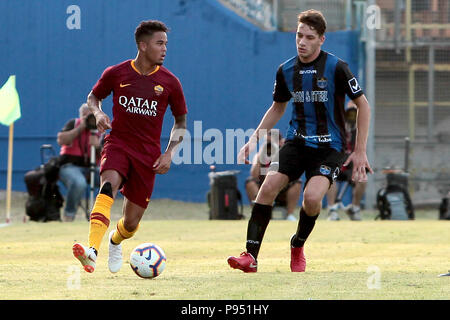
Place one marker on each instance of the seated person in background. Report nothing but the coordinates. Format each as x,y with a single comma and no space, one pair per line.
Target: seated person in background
353,210
289,195
76,138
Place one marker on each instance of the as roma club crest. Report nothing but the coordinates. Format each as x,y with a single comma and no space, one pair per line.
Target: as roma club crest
158,90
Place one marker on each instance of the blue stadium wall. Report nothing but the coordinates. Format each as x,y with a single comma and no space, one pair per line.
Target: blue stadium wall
226,65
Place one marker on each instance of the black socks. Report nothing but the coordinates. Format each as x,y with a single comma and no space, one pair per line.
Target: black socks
261,215
305,226
257,225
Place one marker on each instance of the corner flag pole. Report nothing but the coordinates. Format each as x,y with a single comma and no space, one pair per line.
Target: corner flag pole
9,112
9,174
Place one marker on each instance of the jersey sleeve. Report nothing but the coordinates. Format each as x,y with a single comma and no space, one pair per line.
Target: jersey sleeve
281,92
346,81
104,85
69,125
176,99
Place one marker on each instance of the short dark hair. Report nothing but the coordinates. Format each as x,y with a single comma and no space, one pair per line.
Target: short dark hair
314,19
147,28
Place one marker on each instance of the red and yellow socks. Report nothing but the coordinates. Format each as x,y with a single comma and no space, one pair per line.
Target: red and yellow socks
121,233
99,220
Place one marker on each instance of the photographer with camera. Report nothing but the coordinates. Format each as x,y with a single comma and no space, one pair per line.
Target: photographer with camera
78,138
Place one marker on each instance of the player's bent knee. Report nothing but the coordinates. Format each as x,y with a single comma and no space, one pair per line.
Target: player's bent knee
268,191
311,199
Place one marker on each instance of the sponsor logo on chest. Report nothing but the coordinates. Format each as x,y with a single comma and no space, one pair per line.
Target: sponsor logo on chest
310,96
313,95
139,105
143,106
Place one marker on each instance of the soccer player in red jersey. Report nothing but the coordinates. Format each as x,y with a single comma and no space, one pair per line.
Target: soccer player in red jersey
142,89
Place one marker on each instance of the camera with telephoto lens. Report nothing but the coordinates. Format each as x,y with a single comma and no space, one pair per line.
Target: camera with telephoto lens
91,122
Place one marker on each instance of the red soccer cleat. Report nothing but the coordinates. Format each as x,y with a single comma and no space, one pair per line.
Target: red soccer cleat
244,262
298,261
86,256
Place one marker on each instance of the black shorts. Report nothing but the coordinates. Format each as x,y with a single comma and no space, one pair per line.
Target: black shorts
296,159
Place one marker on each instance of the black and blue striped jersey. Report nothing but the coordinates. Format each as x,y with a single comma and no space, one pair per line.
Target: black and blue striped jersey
317,90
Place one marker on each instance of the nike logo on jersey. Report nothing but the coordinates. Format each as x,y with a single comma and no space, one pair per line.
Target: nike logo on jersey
125,85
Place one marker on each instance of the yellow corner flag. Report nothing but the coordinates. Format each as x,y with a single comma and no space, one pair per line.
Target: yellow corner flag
9,102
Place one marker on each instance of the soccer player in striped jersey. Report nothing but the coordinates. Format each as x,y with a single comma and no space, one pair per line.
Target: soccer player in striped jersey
316,82
131,157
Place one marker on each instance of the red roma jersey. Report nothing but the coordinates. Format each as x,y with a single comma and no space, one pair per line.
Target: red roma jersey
139,104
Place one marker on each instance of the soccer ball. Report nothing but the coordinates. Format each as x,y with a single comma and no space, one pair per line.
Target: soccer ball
148,260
